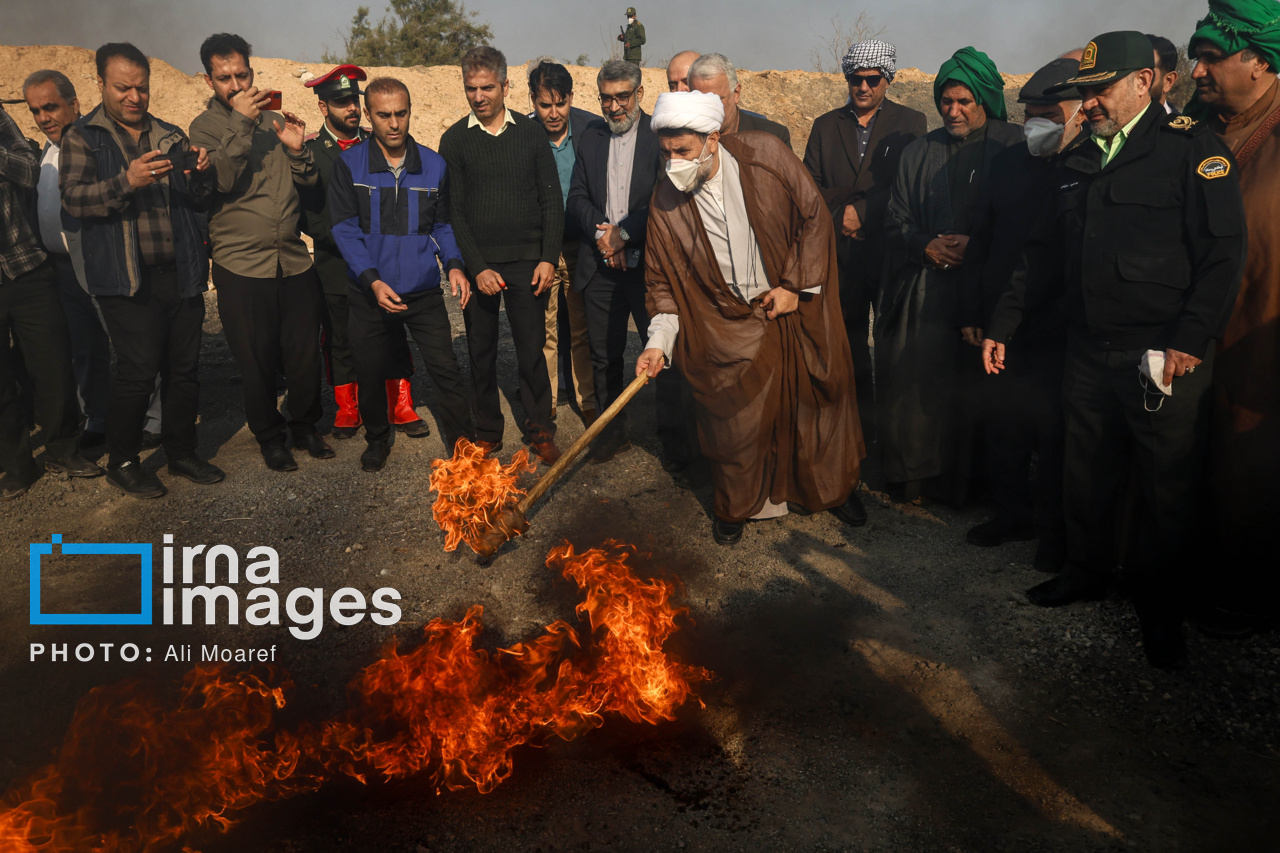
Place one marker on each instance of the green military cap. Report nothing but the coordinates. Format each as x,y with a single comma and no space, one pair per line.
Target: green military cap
1109,57
631,11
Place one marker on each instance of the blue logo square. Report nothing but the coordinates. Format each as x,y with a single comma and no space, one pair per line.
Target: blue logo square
141,549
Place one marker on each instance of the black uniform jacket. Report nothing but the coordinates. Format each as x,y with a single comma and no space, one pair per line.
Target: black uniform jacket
314,222
1144,254
1018,188
832,158
589,192
748,120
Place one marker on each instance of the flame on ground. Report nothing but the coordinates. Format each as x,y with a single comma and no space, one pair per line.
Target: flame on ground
473,491
138,772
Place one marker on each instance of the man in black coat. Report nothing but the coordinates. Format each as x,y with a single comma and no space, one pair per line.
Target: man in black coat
853,155
616,154
551,91
1145,242
1022,409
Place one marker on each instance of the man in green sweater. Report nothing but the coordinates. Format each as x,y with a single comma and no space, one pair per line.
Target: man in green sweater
632,37
508,218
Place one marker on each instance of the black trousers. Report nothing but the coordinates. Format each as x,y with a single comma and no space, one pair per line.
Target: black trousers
154,332
611,298
336,347
376,338
858,288
31,313
1110,421
526,315
1023,413
273,324
90,346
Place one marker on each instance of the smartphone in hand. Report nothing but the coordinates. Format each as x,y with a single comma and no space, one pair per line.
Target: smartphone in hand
275,100
181,160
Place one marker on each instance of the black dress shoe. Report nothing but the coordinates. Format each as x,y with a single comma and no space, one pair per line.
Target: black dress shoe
150,439
375,456
415,429
1067,588
609,445
851,512
278,457
135,481
676,453
197,470
726,532
314,445
11,487
343,433
73,466
998,531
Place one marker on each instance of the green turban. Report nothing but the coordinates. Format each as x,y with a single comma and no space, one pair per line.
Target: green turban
974,69
1235,25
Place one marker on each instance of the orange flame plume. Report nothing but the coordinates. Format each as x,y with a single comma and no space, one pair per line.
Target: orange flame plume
473,491
140,773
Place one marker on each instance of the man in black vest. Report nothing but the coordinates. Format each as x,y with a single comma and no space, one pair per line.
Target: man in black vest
145,261
339,96
1145,242
853,155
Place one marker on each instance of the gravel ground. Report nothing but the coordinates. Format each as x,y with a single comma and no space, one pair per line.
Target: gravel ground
885,688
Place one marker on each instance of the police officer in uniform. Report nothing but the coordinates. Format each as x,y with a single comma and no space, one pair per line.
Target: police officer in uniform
632,37
1143,248
339,94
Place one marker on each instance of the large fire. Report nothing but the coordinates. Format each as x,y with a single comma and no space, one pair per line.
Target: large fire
138,772
473,490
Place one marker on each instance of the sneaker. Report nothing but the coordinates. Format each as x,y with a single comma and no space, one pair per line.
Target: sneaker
135,481
74,465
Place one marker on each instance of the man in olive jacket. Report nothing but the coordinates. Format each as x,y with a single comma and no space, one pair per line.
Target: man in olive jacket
268,294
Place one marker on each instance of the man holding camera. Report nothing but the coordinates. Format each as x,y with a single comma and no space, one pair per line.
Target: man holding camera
268,293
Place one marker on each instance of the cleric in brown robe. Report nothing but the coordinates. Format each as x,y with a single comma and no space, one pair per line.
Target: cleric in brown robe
744,295
1236,81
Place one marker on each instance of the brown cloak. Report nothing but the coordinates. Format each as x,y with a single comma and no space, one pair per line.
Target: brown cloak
1245,432
776,407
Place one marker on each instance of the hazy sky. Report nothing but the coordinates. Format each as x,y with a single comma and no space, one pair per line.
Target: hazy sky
757,34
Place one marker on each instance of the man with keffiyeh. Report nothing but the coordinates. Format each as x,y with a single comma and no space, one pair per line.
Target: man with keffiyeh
1237,53
920,356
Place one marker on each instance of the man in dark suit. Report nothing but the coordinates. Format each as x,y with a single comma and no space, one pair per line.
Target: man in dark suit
551,91
853,154
613,178
714,74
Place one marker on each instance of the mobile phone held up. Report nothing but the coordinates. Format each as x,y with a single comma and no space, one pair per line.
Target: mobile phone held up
181,160
274,100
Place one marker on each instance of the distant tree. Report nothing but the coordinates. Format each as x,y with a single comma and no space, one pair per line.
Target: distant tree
412,32
582,59
835,42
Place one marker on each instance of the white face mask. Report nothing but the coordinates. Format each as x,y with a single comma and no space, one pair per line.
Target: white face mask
684,173
1044,136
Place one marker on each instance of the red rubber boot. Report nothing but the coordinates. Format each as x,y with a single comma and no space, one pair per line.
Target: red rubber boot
347,422
400,410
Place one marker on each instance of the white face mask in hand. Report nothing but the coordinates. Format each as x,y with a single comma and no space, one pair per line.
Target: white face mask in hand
1044,136
684,173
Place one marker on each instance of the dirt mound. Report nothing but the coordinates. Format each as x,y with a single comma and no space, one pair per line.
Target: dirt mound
794,98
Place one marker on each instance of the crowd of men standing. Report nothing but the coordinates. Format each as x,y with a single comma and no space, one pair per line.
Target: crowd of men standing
1078,314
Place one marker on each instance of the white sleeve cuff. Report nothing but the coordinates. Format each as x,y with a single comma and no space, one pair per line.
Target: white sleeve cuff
663,329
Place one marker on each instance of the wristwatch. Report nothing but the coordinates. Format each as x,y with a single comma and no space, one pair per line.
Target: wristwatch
622,232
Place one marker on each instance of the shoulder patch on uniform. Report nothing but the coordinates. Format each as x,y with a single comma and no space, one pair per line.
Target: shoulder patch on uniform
1183,123
1214,167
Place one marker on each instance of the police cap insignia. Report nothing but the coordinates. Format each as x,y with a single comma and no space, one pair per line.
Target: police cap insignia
1214,167
1090,56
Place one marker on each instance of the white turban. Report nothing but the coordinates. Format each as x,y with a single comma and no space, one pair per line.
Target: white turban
695,111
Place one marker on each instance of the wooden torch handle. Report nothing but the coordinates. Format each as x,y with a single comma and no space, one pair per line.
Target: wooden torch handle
566,459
